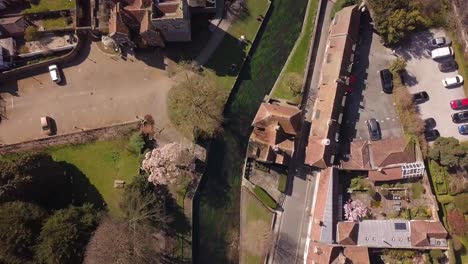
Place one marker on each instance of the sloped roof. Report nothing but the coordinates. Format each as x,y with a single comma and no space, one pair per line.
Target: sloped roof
347,233
357,254
392,151
13,25
390,174
359,156
288,118
422,231
116,23
319,253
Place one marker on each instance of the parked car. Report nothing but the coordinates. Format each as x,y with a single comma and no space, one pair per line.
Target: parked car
386,78
374,129
55,73
442,53
448,66
429,123
453,81
440,42
460,117
421,97
459,104
46,125
463,129
431,134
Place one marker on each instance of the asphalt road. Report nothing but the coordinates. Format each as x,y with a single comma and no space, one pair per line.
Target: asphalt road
297,205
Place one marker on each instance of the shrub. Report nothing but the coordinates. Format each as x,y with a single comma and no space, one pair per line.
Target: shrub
449,152
460,202
283,181
409,117
136,143
372,193
294,82
265,198
420,212
375,204
31,33
359,183
456,221
397,65
436,255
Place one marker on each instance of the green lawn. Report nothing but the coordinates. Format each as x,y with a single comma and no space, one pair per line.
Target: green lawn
230,51
102,162
256,229
50,5
298,58
55,23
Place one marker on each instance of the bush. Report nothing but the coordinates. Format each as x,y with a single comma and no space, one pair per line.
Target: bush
294,82
409,117
461,203
420,212
449,152
136,143
436,255
372,193
397,65
283,181
359,183
31,33
265,198
456,221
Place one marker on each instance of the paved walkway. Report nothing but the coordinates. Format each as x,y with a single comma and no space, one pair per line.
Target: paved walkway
219,29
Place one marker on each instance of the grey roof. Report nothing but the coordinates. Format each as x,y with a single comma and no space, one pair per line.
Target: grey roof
328,219
384,233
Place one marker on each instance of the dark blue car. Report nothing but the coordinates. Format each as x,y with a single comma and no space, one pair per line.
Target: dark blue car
463,129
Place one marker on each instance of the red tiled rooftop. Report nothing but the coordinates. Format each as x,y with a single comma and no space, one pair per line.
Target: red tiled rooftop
392,151
347,233
389,174
359,156
357,254
288,118
422,230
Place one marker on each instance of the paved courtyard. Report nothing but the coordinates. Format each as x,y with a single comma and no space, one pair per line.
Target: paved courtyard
98,90
367,99
424,75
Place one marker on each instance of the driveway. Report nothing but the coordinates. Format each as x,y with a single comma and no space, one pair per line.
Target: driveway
367,99
424,75
98,90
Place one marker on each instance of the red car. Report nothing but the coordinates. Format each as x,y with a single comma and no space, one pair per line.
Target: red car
459,104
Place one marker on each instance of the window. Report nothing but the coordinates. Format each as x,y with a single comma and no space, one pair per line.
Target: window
400,226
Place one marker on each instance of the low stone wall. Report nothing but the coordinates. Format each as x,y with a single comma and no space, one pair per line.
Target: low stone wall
62,59
103,133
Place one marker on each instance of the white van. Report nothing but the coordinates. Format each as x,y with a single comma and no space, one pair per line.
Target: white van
441,53
54,73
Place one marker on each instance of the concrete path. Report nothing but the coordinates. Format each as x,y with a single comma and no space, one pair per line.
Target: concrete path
219,27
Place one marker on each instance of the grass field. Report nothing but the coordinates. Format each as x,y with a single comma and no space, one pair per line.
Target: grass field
55,23
298,58
50,5
102,162
219,196
256,233
230,51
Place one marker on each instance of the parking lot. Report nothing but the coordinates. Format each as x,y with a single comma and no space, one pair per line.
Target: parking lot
424,75
367,99
98,90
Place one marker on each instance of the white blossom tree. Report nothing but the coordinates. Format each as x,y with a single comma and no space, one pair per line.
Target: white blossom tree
355,210
169,164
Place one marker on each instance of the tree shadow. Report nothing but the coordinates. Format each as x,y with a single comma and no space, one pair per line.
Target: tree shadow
417,46
82,190
285,249
408,79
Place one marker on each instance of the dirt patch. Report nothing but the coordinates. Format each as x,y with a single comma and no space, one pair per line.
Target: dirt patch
257,237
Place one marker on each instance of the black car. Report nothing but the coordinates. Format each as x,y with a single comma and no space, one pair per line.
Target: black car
440,42
429,123
386,78
448,66
374,129
431,135
460,117
421,97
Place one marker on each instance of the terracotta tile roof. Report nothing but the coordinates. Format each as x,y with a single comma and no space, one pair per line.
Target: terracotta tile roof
422,231
357,254
358,157
288,118
272,139
137,4
343,22
347,233
389,174
330,91
391,151
320,203
315,150
319,253
13,25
